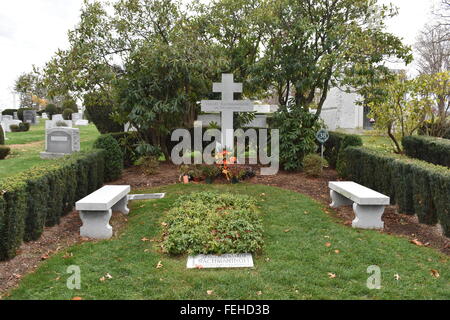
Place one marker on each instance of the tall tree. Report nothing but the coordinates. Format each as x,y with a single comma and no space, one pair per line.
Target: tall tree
314,44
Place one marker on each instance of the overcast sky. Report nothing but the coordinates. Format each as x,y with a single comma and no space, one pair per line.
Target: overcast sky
32,30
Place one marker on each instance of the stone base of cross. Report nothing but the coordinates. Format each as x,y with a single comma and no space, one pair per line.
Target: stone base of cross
227,106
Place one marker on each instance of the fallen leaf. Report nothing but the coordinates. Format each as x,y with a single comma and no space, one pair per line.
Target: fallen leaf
210,292
145,239
337,251
77,298
435,273
159,265
102,279
287,230
199,266
417,242
328,244
259,293
45,256
397,276
331,275
164,224
108,276
267,259
17,276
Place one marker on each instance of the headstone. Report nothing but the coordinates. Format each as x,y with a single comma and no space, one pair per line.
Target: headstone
29,116
61,141
244,260
49,124
7,117
227,106
16,116
76,116
57,117
82,123
7,123
45,116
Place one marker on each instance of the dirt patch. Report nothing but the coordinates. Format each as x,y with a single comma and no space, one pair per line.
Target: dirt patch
58,238
26,145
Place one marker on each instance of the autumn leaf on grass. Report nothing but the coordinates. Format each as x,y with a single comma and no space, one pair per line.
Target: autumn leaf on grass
337,251
45,256
417,242
328,244
77,298
259,293
159,265
397,276
209,292
435,273
108,276
287,230
331,275
144,239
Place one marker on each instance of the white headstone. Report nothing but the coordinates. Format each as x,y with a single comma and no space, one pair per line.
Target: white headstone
82,123
7,123
57,117
61,141
244,260
76,116
44,116
227,106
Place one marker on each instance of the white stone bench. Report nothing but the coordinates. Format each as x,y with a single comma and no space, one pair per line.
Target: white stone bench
368,205
96,209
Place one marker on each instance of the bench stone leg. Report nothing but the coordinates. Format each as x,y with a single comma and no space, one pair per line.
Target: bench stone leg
368,217
338,200
96,224
122,205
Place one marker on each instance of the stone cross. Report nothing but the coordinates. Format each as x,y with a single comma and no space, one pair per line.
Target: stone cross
227,106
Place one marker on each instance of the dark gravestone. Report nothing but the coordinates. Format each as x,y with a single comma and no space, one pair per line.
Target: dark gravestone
29,116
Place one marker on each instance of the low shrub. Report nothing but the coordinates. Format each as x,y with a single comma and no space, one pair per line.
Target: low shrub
149,165
4,151
67,114
313,165
212,223
9,112
24,127
429,149
113,156
334,144
348,141
417,187
14,128
2,136
128,142
39,196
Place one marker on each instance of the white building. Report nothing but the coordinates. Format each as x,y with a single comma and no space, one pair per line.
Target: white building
340,111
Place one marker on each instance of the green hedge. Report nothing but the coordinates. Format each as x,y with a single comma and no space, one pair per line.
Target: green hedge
113,156
39,197
429,149
4,151
417,187
336,142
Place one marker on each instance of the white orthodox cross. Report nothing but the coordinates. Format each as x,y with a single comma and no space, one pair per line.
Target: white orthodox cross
227,106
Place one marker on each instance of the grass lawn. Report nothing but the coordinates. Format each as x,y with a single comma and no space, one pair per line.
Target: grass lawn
299,256
28,145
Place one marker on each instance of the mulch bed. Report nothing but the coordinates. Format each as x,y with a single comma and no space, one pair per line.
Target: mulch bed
65,234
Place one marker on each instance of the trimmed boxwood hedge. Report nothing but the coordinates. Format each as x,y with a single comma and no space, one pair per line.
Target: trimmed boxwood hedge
429,149
416,186
39,197
336,142
113,156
